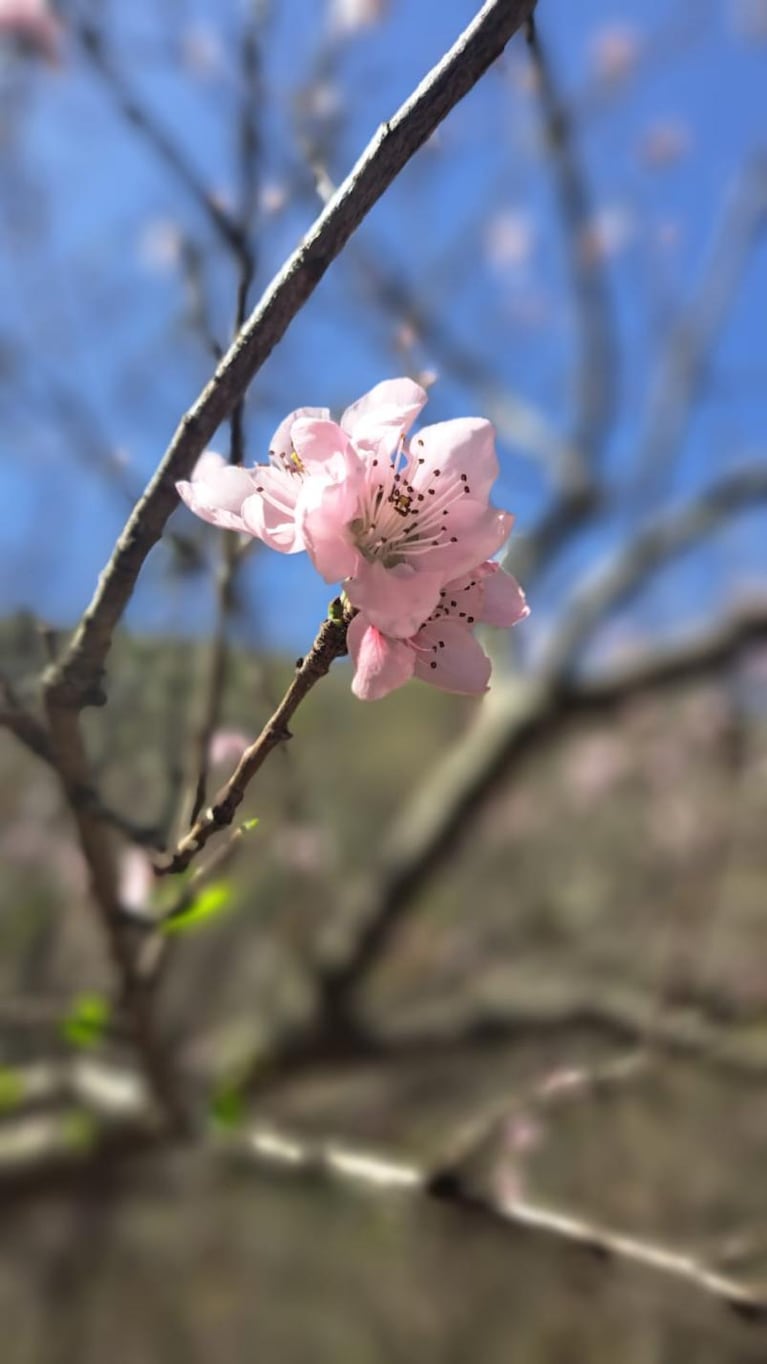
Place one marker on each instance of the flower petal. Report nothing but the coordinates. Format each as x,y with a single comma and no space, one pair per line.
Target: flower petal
385,413
396,600
281,444
478,533
465,445
449,657
217,490
380,664
503,601
270,513
324,514
316,441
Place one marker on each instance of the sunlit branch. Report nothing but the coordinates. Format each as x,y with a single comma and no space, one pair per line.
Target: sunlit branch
77,680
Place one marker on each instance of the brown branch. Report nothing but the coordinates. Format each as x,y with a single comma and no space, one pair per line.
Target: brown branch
329,645
340,1165
34,736
77,678
512,722
71,763
595,342
660,541
595,336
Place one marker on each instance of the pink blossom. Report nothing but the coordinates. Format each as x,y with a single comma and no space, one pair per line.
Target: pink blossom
227,746
136,880
33,24
510,239
348,16
615,51
443,651
394,521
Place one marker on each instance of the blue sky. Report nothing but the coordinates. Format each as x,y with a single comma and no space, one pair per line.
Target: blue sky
94,315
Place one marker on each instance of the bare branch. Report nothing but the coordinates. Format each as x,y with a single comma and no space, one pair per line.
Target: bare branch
342,1166
513,720
595,336
595,343
73,769
693,336
655,544
329,645
77,678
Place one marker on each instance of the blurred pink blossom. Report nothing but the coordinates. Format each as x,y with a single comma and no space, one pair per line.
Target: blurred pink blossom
33,24
302,847
594,764
510,239
135,879
227,746
160,244
665,142
615,50
272,198
610,231
201,50
349,16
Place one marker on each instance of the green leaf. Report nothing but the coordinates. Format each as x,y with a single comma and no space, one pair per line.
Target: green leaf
227,1108
86,1022
249,824
210,902
11,1089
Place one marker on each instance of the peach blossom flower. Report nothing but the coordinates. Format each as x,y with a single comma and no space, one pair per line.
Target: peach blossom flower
391,519
443,651
34,25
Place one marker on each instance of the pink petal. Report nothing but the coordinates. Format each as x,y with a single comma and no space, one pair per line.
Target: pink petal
479,533
217,491
503,599
385,413
281,444
449,657
270,513
380,664
316,441
324,514
465,445
396,600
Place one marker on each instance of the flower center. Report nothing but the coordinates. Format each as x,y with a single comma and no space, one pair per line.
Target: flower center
406,508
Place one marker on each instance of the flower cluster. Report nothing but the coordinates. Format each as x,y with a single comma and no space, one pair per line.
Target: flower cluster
405,525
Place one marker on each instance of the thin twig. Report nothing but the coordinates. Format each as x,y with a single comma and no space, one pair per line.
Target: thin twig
329,645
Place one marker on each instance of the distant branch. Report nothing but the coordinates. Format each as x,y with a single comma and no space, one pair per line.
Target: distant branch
513,721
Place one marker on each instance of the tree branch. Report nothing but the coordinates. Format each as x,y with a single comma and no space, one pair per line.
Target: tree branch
77,678
329,645
514,719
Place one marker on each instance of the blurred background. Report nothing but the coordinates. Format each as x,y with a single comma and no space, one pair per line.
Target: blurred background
522,939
